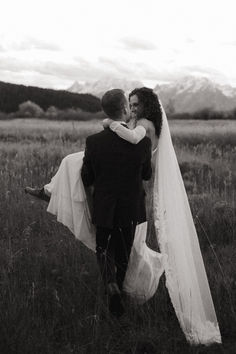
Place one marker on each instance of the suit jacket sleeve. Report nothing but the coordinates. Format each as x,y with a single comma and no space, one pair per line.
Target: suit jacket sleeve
87,172
147,166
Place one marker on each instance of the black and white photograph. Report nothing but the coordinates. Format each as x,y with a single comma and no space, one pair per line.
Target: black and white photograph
118,177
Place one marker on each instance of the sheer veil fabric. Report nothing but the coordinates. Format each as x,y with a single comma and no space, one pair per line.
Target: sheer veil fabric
186,278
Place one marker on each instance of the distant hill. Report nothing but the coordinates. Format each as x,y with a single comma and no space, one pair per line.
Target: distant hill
11,95
187,95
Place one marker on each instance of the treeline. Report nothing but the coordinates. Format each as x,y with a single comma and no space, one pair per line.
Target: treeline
19,101
30,110
205,114
12,95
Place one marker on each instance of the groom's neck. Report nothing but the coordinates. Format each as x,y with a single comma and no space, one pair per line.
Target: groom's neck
118,119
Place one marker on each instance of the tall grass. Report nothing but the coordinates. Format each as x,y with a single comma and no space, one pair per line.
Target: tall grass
52,298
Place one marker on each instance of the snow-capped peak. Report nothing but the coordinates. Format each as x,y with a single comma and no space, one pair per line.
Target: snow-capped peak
75,88
99,87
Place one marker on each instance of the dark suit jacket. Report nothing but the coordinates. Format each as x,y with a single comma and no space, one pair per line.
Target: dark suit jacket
116,169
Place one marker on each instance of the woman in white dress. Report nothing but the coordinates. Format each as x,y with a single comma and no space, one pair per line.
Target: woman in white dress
180,256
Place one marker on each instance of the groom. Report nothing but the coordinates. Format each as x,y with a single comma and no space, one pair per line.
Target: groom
116,169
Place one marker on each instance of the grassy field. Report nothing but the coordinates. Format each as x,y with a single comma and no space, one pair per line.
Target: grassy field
51,295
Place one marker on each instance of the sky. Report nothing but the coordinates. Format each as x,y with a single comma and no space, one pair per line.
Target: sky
50,43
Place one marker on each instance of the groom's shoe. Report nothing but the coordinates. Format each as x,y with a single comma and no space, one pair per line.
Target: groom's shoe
38,193
115,304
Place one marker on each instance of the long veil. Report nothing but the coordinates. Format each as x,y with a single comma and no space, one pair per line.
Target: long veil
186,278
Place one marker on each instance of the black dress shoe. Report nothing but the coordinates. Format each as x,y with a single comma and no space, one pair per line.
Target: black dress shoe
38,193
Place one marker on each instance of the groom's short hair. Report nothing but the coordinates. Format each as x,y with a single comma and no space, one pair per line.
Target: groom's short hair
113,102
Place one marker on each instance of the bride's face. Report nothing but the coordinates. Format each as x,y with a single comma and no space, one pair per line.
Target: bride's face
136,107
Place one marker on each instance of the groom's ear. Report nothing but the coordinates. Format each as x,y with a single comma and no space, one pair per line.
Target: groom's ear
126,110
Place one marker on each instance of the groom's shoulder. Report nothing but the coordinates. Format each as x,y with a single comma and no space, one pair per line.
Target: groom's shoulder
145,141
95,137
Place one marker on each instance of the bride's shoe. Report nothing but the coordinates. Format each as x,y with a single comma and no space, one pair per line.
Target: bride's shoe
38,193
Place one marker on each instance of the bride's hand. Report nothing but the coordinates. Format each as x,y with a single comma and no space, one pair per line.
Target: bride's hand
106,122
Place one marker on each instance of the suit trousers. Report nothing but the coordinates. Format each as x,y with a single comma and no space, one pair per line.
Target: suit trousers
113,247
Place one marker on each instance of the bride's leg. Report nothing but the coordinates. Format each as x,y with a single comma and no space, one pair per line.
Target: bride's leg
44,193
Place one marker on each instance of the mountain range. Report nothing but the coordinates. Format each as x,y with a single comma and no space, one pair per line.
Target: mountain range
187,95
99,87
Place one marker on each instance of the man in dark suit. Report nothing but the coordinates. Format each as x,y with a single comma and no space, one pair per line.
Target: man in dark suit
116,169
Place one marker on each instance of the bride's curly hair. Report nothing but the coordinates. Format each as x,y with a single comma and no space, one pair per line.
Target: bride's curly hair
151,106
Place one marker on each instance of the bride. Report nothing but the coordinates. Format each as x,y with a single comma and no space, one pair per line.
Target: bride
175,232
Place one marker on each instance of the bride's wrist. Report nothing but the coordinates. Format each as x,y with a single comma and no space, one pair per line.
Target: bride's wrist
106,122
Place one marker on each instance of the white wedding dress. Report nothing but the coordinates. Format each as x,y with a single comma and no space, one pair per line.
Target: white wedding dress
180,256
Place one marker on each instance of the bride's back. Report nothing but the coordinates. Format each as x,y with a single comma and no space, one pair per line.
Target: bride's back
150,131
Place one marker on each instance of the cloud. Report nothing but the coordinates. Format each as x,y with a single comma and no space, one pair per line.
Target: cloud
229,43
2,49
14,65
43,45
31,43
190,40
69,70
205,71
133,43
40,72
82,70
78,69
120,67
66,70
36,73
103,67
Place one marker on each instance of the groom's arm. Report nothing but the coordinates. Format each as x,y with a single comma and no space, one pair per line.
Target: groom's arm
87,172
147,165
